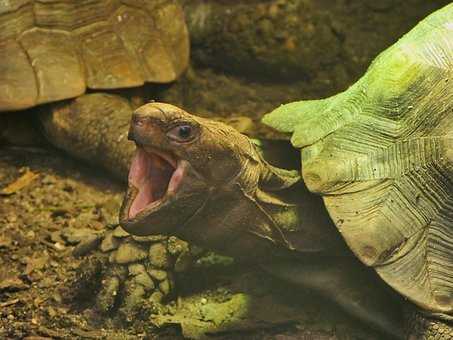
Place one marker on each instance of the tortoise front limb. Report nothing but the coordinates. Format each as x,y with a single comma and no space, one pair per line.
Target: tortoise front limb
128,277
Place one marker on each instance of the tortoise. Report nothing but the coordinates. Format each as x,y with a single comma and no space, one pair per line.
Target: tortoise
379,154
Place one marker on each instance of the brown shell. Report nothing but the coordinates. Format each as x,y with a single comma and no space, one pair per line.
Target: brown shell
56,49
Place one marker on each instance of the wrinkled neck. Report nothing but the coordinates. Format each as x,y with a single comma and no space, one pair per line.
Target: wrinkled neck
265,226
305,223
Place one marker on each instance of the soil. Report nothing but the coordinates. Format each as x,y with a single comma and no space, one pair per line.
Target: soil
43,194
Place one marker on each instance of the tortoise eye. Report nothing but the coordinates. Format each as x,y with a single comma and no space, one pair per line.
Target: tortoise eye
181,133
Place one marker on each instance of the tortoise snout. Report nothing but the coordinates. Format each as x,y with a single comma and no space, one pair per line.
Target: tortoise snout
139,128
139,120
143,129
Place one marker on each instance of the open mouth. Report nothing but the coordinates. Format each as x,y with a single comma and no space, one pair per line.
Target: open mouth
156,176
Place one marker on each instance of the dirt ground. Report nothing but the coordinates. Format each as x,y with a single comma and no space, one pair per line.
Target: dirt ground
43,194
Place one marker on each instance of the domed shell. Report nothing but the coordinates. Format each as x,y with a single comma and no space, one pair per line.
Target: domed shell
381,154
56,49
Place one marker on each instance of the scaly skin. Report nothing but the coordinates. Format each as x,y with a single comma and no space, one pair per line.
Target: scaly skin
129,277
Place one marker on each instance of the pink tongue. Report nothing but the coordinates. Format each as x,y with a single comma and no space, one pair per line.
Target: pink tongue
138,177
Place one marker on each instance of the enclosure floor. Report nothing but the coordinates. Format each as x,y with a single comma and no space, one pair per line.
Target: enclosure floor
36,264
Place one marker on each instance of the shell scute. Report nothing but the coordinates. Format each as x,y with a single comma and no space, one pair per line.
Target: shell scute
56,64
17,80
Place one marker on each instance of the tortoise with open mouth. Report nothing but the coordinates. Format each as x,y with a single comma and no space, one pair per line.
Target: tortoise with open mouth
380,155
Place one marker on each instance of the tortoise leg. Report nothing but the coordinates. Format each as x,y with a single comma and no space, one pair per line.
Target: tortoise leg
421,326
355,288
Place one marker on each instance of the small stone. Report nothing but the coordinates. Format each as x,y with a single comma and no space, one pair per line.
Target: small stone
204,301
109,243
51,312
165,287
56,296
158,256
157,274
129,252
120,232
77,235
58,246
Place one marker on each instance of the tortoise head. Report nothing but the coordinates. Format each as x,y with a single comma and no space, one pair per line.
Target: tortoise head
197,179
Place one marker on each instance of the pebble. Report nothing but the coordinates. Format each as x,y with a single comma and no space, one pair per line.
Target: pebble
129,252
58,246
77,235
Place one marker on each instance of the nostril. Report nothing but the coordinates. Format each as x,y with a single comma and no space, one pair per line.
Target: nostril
139,120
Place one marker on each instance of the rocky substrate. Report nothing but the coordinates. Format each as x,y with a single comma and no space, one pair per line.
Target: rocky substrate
50,204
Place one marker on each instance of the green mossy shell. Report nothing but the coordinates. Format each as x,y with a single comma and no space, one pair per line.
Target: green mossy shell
381,155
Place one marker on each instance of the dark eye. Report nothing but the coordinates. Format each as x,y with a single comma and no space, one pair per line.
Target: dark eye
181,133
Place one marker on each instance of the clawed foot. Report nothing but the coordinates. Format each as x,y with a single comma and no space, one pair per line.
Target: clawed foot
128,277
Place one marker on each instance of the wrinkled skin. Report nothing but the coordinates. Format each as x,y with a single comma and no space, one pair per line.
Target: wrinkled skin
220,169
128,277
211,186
